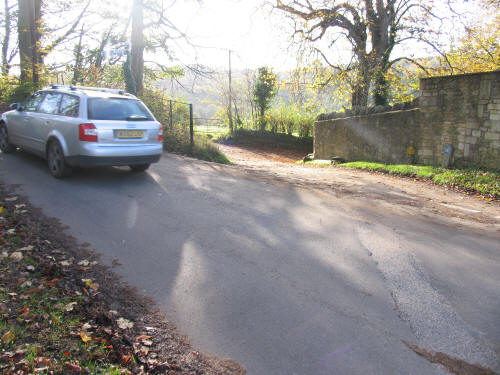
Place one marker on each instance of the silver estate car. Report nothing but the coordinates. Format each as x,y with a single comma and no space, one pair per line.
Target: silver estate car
73,126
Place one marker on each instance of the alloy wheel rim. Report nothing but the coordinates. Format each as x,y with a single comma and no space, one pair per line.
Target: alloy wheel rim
55,158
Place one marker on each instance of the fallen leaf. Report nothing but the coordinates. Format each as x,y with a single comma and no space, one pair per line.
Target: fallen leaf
1,209
124,323
27,248
65,263
52,283
85,337
67,354
5,254
144,350
42,361
73,368
86,327
84,263
70,306
90,284
126,358
30,268
143,337
11,199
23,309
16,256
8,337
26,284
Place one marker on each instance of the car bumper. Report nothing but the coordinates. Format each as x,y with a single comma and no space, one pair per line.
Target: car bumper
99,161
93,155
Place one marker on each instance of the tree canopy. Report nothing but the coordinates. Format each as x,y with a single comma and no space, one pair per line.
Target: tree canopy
372,29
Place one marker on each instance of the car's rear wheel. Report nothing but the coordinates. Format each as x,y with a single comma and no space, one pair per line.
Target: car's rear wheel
5,145
56,160
139,167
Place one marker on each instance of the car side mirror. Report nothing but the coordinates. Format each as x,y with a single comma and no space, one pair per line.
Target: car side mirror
16,106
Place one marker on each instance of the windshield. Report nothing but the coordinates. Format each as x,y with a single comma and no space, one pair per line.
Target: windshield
118,109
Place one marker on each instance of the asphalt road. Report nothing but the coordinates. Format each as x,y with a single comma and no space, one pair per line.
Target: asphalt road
284,280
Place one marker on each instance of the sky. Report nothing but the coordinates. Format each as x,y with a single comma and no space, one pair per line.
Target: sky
258,35
251,31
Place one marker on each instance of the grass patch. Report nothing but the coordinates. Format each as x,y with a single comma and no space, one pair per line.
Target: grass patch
267,139
486,183
42,319
210,131
203,149
317,163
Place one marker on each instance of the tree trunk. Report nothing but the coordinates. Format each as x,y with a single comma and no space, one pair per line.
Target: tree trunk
381,90
361,89
78,60
262,120
29,39
137,47
6,40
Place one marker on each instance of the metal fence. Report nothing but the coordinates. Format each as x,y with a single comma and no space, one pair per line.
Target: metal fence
181,122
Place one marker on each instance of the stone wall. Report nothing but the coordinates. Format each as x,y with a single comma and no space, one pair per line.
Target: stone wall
382,137
459,111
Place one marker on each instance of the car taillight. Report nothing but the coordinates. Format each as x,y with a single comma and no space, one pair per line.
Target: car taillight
160,133
87,132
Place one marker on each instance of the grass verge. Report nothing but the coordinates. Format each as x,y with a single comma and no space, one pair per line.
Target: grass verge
64,313
485,183
203,149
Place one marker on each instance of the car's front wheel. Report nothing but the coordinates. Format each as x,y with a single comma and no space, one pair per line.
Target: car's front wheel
56,160
5,145
139,167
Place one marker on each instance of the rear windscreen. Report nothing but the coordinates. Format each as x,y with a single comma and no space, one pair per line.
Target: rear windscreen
117,109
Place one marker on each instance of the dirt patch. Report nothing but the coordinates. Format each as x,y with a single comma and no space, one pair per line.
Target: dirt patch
63,312
411,195
453,365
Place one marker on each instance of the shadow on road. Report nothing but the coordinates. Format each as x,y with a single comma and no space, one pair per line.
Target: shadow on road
271,277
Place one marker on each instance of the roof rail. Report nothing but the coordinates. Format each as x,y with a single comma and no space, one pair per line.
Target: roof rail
101,89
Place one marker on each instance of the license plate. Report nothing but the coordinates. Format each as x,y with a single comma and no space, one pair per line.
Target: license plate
129,133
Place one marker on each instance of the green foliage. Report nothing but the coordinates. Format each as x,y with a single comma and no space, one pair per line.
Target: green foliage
268,140
264,91
176,137
484,182
178,141
12,90
291,119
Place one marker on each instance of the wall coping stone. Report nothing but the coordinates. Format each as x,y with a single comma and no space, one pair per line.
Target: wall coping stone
454,76
319,120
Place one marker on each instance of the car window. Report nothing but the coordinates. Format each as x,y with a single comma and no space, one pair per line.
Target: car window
69,106
50,103
117,109
31,104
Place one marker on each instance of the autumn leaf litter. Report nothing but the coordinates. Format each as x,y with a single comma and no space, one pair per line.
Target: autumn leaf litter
63,312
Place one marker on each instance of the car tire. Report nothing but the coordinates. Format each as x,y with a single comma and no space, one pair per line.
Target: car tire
5,146
139,167
56,160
